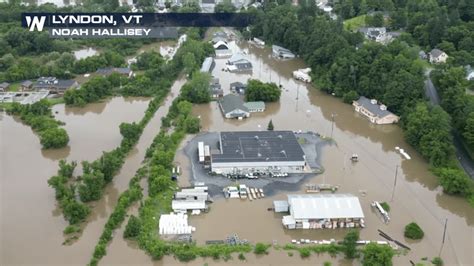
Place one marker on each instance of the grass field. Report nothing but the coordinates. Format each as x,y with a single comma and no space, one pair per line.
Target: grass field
354,23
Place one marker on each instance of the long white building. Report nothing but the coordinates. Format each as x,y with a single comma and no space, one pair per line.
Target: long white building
245,152
316,211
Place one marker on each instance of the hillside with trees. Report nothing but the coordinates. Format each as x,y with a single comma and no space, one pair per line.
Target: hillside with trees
346,66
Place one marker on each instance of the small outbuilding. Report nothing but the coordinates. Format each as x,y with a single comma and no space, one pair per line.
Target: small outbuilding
281,206
4,86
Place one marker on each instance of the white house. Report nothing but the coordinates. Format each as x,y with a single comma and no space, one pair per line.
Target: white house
437,56
376,113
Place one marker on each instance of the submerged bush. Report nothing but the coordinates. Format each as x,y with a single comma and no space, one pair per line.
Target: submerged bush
413,231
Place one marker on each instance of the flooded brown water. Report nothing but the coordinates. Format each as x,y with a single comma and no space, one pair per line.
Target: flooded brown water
31,224
417,197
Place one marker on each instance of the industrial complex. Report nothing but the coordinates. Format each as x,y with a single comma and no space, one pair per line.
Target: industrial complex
263,152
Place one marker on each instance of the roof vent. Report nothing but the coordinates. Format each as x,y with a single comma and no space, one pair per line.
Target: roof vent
256,137
373,101
280,136
383,107
259,155
283,152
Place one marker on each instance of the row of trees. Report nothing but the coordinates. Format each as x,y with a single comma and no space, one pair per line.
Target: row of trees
93,90
39,116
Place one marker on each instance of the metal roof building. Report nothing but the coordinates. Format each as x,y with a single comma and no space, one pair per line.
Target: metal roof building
208,65
258,151
324,206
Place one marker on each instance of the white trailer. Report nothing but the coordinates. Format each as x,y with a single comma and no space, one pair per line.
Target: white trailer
258,41
201,151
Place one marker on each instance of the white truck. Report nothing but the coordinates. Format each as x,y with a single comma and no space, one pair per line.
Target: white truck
302,74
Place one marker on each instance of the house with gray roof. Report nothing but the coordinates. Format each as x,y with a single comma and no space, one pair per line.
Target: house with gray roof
238,63
378,34
26,85
242,152
437,56
375,112
55,85
232,106
4,86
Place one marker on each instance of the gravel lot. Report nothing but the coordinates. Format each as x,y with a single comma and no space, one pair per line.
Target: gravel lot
310,142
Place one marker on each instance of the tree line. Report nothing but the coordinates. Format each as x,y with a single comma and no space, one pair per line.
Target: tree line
40,118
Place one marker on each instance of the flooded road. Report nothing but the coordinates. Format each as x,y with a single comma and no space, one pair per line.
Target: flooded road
25,169
31,223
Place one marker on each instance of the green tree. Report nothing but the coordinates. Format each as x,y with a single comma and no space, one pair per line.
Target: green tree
468,133
259,91
413,231
133,227
261,248
74,211
91,186
349,244
270,125
192,124
189,62
130,131
197,89
54,138
380,255
454,181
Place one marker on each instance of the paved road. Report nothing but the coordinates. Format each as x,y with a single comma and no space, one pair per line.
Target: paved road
461,153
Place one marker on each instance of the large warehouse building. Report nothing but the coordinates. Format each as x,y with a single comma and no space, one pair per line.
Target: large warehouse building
321,211
245,152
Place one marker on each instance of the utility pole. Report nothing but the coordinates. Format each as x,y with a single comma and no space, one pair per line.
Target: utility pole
394,183
332,123
444,237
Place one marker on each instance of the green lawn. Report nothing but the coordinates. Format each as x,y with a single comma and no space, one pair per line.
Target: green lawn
354,23
14,86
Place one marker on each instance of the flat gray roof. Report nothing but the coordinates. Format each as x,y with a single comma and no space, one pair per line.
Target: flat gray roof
258,146
325,206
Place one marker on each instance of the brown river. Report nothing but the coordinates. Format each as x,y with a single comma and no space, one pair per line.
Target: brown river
31,226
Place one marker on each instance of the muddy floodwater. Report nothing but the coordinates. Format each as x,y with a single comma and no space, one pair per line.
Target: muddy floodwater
31,225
